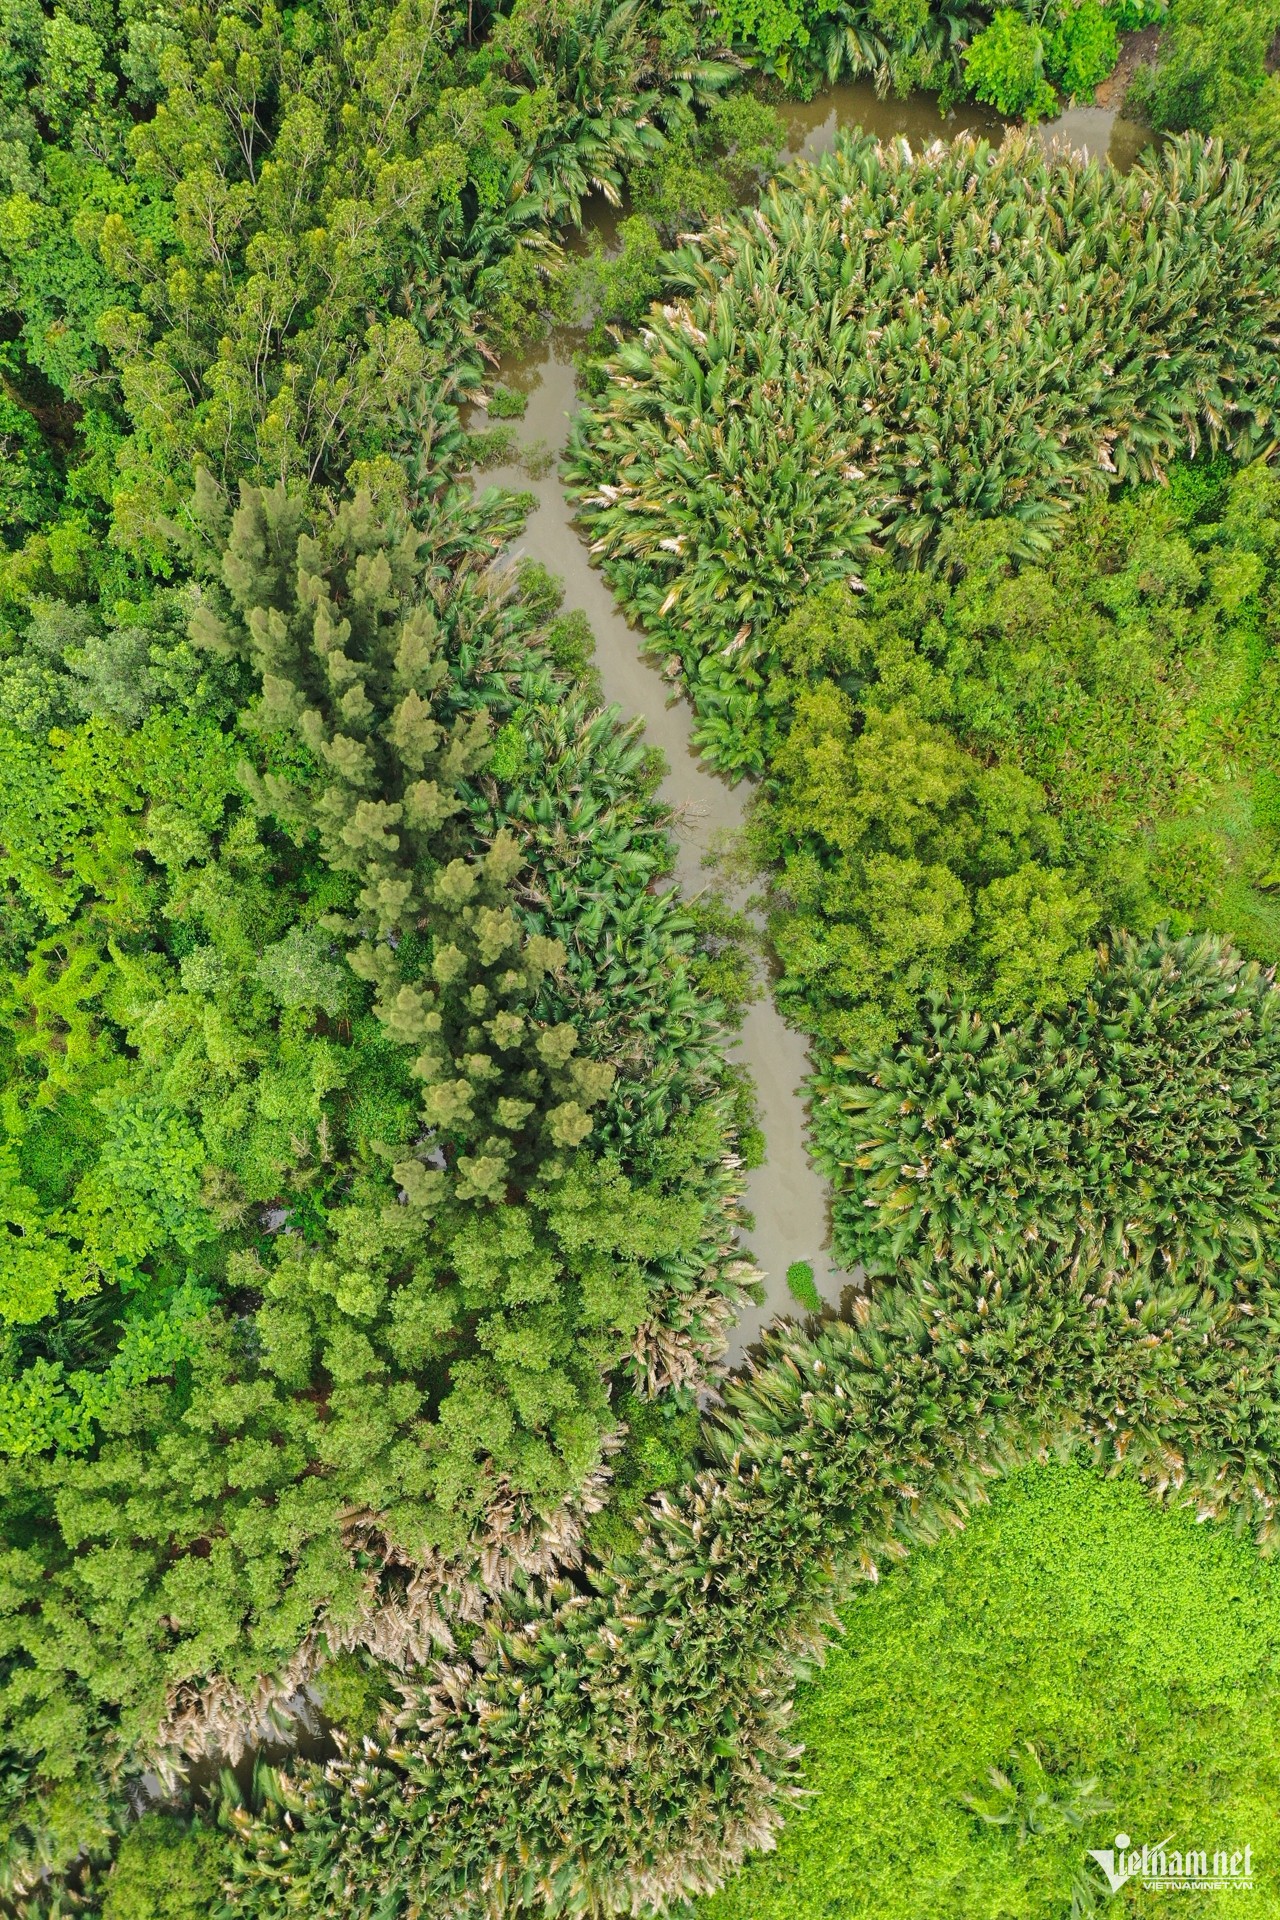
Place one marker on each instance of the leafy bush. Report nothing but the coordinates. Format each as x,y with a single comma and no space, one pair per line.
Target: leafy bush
771,28
659,1451
708,165
1138,1128
353,1695
1004,66
903,865
1083,48
796,398
164,1870
616,288
1212,76
1190,871
1132,15
507,403
28,481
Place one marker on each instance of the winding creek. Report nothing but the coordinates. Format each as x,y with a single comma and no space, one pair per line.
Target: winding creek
786,1195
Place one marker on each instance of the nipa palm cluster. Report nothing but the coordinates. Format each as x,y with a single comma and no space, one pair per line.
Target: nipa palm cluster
892,339
1141,1126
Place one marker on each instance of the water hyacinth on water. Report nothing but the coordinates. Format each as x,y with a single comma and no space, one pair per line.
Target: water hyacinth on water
889,339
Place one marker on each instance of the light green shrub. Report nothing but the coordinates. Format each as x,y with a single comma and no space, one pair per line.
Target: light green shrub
165,1870
1083,48
1005,66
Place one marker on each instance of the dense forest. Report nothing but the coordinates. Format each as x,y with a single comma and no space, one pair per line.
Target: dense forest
372,1145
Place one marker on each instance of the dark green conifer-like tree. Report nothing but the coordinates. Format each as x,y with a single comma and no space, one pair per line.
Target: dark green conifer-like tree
335,612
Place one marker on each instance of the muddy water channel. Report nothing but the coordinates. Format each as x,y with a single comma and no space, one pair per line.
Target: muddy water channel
812,126
786,1195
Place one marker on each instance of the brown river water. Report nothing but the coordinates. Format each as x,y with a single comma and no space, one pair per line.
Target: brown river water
786,1195
812,125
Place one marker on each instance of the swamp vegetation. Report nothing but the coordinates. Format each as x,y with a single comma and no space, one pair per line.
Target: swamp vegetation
372,1154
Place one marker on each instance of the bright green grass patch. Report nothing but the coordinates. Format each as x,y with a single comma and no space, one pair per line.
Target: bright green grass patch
1073,1630
1239,826
802,1286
